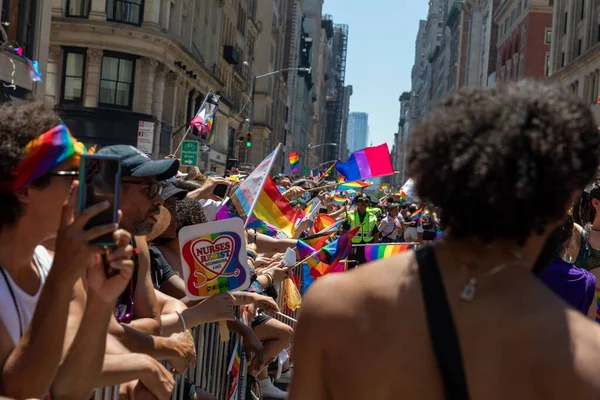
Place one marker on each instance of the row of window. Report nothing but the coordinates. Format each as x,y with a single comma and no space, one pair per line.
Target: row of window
116,78
127,11
512,17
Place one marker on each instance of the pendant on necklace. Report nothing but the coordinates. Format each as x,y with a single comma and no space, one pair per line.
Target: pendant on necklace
469,291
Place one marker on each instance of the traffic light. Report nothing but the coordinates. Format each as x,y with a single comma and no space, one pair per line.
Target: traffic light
249,140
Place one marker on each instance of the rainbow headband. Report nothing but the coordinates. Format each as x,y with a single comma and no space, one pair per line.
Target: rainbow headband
43,154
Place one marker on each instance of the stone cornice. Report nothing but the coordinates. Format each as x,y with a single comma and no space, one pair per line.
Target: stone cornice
133,40
590,56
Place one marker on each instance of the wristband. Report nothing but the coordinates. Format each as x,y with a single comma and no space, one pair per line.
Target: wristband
182,320
270,278
251,254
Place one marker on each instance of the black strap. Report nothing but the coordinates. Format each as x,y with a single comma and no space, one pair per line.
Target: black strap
442,330
14,299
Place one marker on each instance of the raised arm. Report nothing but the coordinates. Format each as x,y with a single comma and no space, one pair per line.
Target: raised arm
87,326
147,311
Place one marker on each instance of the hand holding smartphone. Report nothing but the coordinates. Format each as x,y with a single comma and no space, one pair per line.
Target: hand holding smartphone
100,180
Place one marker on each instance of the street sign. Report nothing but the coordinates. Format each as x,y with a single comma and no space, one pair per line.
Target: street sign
305,170
145,138
189,153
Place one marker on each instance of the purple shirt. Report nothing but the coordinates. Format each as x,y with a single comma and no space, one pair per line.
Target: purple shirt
576,286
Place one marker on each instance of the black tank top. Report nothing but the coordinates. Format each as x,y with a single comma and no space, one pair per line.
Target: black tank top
442,330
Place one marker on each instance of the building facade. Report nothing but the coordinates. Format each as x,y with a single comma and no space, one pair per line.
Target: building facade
117,71
575,54
26,24
357,134
524,37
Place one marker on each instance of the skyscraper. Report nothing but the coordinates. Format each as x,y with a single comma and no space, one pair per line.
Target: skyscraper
357,136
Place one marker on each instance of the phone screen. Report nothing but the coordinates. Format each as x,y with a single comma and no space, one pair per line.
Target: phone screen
221,190
100,180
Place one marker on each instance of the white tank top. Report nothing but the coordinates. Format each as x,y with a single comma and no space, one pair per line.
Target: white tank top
15,320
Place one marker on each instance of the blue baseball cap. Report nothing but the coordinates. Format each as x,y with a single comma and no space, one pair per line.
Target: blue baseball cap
136,164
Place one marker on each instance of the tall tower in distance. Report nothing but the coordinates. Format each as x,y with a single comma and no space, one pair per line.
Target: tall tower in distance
357,135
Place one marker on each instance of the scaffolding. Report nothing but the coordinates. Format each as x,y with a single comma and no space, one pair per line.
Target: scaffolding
336,104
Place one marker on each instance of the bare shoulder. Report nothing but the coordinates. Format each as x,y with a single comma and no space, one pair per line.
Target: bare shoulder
371,288
573,345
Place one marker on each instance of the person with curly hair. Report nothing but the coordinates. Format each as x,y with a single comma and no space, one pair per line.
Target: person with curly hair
466,317
54,308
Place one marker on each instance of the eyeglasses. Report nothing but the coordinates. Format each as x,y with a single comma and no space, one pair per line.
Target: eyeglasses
154,188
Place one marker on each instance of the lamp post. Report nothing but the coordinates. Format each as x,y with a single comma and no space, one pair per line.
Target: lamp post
252,95
311,146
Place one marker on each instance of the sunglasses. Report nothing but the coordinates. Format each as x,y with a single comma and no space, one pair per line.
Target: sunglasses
154,188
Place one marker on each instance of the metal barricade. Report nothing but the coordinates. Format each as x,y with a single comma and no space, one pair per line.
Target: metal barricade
297,271
210,372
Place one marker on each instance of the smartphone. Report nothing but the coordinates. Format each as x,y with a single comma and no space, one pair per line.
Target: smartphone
100,180
221,190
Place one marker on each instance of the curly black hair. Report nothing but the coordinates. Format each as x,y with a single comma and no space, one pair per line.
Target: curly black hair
189,212
20,124
504,162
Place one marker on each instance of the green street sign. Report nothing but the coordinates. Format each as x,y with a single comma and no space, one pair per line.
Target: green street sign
189,153
305,170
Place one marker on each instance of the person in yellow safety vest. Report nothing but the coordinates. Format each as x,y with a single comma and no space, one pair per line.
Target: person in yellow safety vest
368,233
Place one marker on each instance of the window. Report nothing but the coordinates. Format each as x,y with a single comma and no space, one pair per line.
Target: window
73,75
78,8
579,47
582,8
562,62
116,80
566,22
551,3
547,66
127,11
548,36
20,16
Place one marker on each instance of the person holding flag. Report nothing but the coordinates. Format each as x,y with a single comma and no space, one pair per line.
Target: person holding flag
368,232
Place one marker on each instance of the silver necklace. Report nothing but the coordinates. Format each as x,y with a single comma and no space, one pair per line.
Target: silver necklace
470,289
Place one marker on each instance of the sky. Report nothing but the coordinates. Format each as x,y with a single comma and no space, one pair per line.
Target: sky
381,53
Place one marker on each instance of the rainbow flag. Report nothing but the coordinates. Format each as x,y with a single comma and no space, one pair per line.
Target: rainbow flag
262,227
332,228
358,185
416,215
294,158
323,221
331,254
327,172
317,241
383,187
381,251
370,162
275,209
244,199
339,200
204,118
234,371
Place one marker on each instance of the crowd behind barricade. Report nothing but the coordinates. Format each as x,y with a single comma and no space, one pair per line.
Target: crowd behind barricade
87,320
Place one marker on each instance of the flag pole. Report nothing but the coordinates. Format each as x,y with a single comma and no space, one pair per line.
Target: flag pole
190,127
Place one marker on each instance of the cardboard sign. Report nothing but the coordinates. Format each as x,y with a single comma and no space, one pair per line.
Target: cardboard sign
214,258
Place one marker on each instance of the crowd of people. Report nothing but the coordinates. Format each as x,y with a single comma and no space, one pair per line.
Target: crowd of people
497,300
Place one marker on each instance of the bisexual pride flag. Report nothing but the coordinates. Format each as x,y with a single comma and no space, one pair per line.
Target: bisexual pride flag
369,162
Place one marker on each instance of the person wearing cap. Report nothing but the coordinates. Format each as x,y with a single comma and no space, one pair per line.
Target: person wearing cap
368,232
137,308
283,182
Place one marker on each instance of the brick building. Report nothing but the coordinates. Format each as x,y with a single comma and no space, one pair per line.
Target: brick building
524,36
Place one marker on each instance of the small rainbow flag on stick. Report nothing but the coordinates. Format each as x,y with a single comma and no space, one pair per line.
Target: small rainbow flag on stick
294,157
339,200
381,251
416,215
370,162
275,209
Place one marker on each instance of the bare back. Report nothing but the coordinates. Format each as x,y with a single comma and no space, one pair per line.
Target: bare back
364,335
